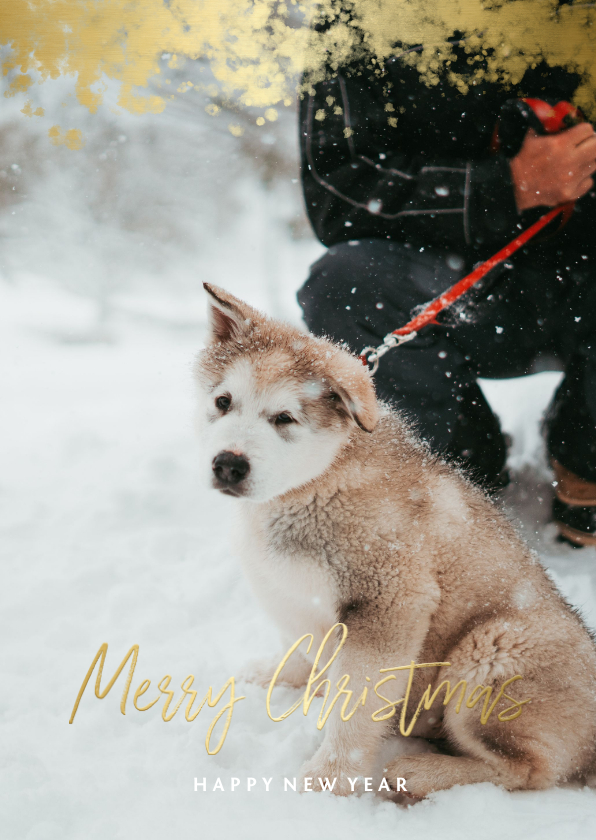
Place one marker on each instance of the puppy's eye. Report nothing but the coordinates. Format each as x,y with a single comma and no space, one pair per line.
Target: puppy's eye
283,418
223,403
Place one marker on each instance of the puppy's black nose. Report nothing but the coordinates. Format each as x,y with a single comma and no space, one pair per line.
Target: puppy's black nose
230,468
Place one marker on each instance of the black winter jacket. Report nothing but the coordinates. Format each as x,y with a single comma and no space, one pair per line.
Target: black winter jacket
390,157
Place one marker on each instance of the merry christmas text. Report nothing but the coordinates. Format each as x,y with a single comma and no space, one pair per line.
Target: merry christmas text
316,685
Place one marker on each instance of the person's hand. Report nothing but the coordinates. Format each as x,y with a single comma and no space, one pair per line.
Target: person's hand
553,169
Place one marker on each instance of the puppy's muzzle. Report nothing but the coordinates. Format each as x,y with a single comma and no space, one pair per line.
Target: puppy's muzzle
229,470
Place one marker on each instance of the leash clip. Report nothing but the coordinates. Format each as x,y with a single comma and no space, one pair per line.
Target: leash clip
372,355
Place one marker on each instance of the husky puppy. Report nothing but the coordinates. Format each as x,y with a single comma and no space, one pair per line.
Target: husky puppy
347,517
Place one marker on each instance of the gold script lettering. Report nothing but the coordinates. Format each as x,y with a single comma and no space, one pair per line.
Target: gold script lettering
101,658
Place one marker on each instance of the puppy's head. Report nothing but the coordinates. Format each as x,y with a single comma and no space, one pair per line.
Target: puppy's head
278,405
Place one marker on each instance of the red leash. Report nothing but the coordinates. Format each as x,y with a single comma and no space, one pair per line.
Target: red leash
431,310
551,119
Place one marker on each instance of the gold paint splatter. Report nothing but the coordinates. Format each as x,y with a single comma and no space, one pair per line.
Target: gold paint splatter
140,104
260,121
72,139
320,115
257,50
19,85
271,114
236,130
212,109
29,112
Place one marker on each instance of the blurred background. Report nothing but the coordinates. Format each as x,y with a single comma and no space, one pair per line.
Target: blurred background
129,226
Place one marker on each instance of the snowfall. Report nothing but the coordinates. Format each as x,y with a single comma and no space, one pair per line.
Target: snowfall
109,531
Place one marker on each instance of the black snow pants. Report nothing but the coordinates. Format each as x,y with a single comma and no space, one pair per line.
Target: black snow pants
524,311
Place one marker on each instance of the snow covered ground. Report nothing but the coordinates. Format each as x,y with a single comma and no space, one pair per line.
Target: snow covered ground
109,535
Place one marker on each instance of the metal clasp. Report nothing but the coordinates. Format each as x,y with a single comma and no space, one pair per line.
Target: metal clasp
373,355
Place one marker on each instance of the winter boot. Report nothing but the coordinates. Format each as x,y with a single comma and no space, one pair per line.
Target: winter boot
574,507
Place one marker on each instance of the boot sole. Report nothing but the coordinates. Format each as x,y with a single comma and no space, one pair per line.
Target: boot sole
576,537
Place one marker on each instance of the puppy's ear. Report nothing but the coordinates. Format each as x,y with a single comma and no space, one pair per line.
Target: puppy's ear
353,391
229,318
364,414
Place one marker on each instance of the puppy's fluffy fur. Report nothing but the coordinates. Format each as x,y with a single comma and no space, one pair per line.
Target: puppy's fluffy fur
348,517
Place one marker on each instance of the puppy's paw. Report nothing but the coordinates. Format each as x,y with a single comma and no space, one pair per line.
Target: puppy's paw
323,778
260,672
328,773
415,770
